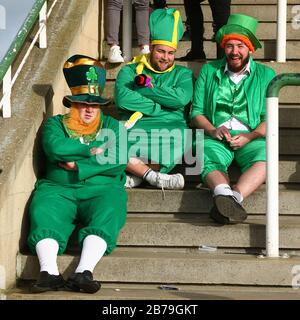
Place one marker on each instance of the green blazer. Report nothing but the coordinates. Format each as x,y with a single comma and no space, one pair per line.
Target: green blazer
255,86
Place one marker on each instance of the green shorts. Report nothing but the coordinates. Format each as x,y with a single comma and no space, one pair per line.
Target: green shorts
218,155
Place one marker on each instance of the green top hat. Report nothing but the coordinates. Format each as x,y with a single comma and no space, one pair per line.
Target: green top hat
85,77
242,25
166,27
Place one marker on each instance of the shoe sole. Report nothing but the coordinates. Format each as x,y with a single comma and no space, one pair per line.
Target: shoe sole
36,289
230,209
87,288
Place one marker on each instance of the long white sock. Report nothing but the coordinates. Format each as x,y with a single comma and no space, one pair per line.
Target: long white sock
47,250
223,189
238,196
93,249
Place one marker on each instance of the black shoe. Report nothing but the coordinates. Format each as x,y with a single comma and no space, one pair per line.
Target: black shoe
47,282
191,56
217,217
83,281
228,207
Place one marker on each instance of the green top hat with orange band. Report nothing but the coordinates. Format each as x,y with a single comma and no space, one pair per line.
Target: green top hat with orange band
166,27
86,78
239,25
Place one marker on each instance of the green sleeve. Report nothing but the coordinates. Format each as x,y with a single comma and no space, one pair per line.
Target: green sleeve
58,147
127,98
175,97
199,94
113,160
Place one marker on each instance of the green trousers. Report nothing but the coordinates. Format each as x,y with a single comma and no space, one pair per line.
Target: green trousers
218,155
55,210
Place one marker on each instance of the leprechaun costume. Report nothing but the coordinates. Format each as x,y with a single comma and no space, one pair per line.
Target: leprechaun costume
94,193
236,101
163,100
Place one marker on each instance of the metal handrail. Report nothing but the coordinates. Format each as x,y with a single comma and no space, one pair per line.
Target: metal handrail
39,10
272,223
281,31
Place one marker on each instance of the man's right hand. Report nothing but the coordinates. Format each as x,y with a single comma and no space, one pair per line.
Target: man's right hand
95,151
220,133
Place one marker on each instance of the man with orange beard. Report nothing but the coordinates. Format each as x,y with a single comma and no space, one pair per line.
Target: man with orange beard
161,92
79,184
230,105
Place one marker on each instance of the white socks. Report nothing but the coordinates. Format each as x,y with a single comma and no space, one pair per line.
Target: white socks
150,176
93,249
238,196
224,189
47,250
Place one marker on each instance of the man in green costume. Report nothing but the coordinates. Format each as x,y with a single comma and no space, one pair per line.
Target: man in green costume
82,183
161,92
230,105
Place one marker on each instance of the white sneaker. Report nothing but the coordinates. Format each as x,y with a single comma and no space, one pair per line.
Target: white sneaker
145,49
115,55
132,181
169,181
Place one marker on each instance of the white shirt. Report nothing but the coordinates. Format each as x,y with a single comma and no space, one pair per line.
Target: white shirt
236,77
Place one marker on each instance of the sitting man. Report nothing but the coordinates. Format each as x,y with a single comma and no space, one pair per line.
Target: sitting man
79,184
230,105
161,92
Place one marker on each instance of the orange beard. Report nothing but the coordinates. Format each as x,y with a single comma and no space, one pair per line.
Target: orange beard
75,123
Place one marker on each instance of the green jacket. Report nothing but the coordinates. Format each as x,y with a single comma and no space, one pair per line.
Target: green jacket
99,169
207,89
165,103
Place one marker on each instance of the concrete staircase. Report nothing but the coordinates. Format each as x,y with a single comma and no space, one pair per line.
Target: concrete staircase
164,241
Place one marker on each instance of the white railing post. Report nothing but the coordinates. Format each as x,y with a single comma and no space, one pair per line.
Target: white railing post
272,232
127,30
43,23
281,30
7,84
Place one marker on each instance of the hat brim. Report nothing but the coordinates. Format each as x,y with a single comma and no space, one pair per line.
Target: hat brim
237,29
86,99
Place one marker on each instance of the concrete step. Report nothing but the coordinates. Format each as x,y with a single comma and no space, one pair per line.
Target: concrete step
288,171
177,266
241,2
267,52
194,230
288,142
265,31
288,95
184,230
200,201
289,115
113,69
137,291
261,11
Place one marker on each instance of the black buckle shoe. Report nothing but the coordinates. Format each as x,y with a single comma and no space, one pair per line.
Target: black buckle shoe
48,282
191,56
229,208
82,281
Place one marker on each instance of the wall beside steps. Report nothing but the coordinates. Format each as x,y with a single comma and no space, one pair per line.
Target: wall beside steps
72,28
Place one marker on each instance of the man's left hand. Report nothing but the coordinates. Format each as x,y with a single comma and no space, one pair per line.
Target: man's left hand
238,141
69,166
